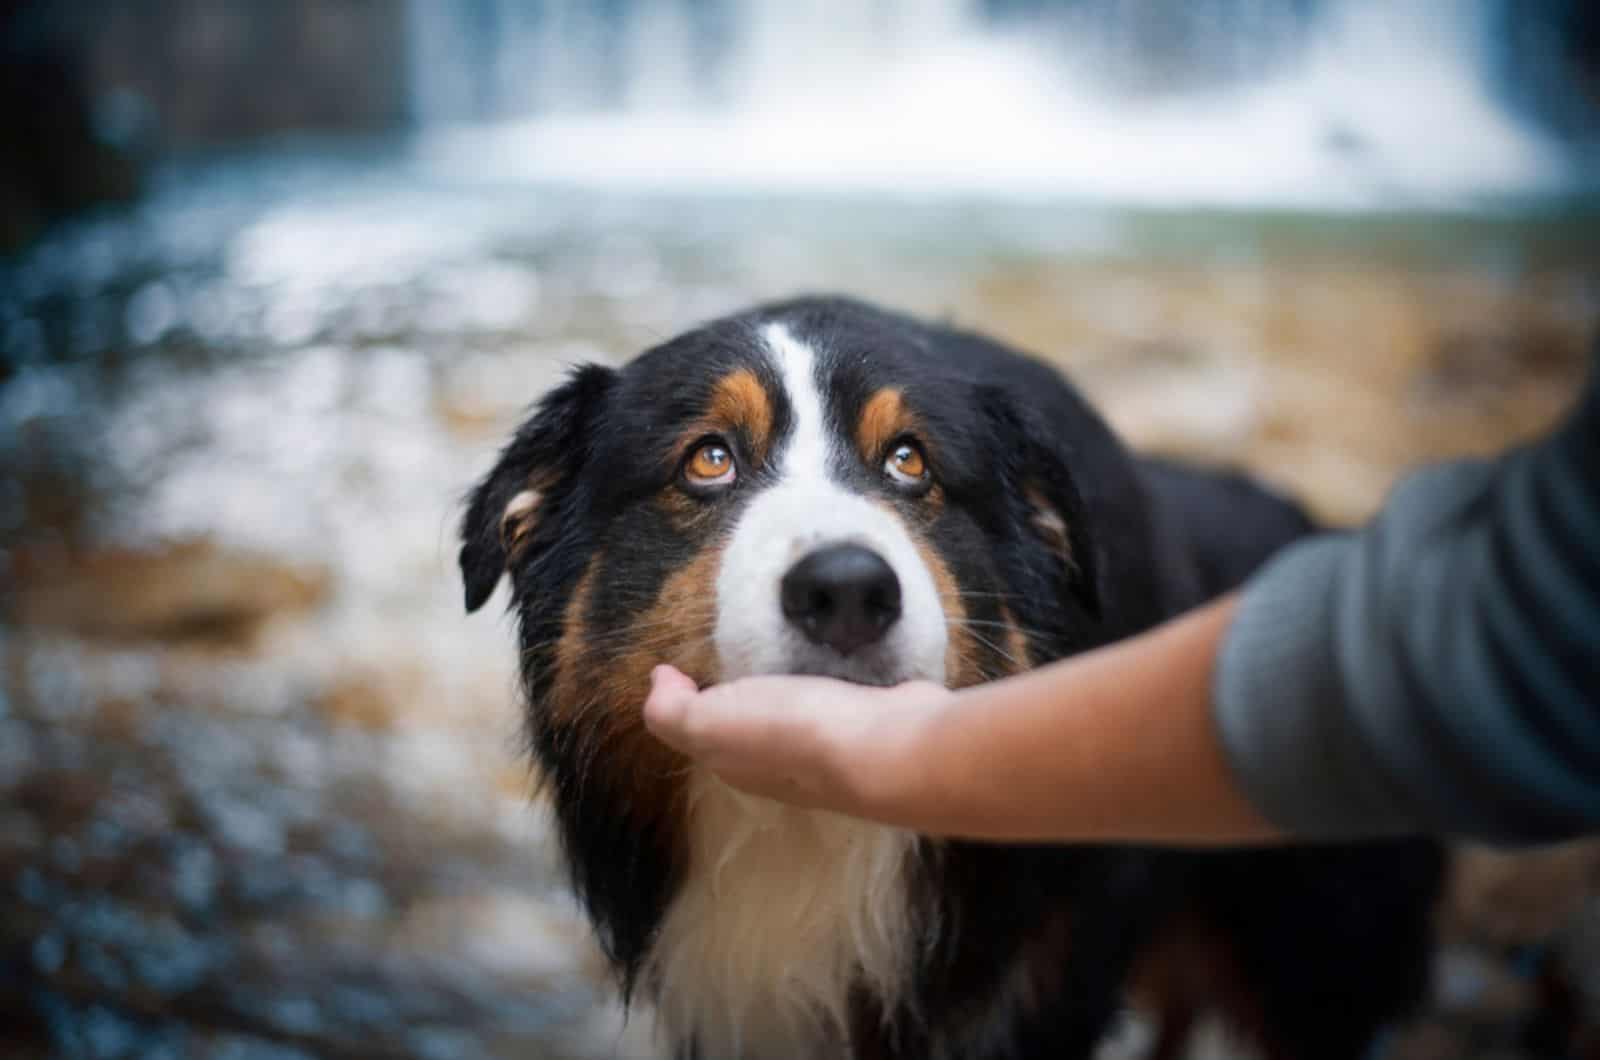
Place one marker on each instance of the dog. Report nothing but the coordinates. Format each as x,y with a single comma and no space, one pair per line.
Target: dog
819,486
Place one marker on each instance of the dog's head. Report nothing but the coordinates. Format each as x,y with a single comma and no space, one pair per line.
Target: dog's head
806,489
816,487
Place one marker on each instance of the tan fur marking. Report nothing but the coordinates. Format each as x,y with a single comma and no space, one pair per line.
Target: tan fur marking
519,518
602,679
1016,642
740,401
572,649
963,663
1050,525
688,601
884,418
974,655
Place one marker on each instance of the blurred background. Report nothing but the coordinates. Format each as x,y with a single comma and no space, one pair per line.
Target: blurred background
276,278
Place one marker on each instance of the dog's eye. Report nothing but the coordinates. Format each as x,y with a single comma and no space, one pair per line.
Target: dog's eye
711,464
906,466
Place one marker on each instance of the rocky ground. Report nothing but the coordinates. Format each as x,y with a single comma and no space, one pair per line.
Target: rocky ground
260,793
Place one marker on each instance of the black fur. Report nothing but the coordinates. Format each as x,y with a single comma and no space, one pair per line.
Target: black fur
1333,941
550,450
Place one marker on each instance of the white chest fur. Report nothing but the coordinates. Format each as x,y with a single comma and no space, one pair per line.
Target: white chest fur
781,912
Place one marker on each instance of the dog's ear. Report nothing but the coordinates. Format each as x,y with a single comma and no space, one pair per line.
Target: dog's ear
528,480
1036,476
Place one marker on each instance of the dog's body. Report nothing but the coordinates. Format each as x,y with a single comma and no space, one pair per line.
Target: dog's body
822,487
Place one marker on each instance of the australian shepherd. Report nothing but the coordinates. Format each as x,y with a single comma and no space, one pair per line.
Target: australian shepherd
822,487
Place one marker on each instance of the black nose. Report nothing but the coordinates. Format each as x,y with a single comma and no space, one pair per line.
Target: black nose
844,596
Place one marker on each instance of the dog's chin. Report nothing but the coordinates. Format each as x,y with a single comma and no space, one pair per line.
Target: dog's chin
891,661
873,679
879,669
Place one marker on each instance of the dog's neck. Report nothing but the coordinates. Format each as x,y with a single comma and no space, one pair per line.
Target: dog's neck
783,914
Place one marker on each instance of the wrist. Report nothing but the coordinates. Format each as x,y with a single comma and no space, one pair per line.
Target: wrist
885,770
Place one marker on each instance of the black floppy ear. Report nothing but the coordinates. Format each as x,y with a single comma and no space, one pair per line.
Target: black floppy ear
528,480
1037,477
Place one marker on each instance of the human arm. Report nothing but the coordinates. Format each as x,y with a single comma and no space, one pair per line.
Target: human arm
1116,744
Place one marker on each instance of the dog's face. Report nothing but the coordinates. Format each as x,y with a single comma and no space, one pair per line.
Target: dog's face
805,492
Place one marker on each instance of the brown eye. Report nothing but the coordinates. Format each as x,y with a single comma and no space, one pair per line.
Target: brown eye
711,464
906,465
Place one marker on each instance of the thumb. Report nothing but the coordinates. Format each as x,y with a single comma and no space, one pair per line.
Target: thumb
666,709
750,719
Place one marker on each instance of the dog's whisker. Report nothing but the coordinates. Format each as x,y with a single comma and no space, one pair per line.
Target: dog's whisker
978,594
992,646
969,623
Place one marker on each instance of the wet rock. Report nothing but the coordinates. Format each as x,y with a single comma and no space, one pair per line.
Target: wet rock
20,835
1206,413
482,395
1482,366
370,697
58,162
1429,1041
1473,985
511,934
191,589
193,875
1508,899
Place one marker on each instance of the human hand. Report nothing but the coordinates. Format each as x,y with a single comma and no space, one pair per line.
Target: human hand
810,741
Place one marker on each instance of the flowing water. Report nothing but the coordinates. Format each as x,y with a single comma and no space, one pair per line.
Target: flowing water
1328,103
260,791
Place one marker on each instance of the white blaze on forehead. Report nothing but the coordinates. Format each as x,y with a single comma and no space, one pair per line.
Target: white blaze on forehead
808,452
804,510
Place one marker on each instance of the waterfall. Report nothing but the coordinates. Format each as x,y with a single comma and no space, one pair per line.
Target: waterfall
1325,103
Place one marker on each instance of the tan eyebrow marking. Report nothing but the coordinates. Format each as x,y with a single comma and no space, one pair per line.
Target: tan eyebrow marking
739,400
883,418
